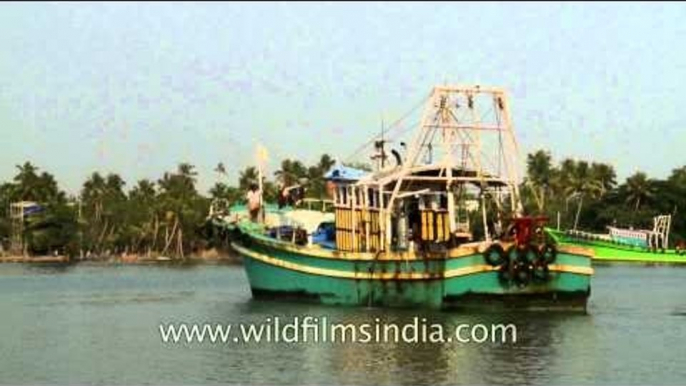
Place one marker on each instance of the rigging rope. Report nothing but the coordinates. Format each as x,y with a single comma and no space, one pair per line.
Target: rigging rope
388,130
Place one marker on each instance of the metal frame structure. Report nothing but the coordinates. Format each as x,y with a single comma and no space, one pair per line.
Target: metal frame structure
467,130
17,217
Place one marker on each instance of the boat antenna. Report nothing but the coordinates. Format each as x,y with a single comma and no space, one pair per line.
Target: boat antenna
379,146
382,127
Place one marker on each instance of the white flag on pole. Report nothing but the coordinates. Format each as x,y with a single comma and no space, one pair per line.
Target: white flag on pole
262,155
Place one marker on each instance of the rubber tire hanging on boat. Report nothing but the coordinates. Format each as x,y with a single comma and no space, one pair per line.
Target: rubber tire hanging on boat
540,271
549,253
495,255
526,254
522,273
504,274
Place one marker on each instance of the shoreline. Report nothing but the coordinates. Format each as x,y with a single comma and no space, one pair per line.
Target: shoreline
51,260
206,257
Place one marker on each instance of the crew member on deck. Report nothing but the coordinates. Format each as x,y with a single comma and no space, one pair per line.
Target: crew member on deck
253,198
283,195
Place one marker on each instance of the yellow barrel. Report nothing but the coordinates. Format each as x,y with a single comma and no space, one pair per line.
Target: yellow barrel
446,226
424,227
439,227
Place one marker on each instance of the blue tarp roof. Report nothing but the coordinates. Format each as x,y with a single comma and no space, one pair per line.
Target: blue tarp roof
344,173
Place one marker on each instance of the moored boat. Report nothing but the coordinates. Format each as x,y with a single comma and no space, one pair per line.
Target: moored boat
442,227
649,246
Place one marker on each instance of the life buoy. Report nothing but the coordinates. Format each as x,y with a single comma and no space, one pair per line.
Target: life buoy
494,255
548,253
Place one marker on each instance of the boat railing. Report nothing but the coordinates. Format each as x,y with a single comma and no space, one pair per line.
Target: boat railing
589,235
321,204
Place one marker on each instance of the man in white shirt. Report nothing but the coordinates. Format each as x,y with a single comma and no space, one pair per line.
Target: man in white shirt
253,199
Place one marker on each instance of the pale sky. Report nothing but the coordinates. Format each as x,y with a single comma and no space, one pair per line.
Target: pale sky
137,88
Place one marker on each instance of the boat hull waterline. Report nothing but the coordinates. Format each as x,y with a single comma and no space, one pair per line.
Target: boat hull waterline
279,270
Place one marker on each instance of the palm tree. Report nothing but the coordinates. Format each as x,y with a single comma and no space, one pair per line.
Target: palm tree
678,178
539,176
31,186
325,163
578,182
144,191
604,175
181,209
115,186
104,211
92,194
291,171
639,189
142,220
247,178
220,169
26,182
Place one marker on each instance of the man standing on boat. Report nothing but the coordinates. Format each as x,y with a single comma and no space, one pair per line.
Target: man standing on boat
283,195
254,202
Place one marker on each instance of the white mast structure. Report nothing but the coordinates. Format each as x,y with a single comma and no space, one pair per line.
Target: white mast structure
464,129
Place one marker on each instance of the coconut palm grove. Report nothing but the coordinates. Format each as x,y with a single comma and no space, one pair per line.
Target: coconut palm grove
110,216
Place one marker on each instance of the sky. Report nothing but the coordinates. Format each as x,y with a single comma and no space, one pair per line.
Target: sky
136,88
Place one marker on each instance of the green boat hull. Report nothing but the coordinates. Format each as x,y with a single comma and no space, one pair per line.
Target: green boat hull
279,270
609,252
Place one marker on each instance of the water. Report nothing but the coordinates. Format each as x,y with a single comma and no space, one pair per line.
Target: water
99,324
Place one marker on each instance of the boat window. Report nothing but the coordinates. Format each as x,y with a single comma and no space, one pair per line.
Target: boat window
443,201
342,195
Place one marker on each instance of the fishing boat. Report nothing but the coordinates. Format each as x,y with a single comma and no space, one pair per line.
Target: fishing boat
627,244
441,227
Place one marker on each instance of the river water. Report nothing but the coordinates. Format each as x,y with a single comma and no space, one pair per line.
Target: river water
99,324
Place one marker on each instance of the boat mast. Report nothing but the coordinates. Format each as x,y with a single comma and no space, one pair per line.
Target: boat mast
459,119
261,158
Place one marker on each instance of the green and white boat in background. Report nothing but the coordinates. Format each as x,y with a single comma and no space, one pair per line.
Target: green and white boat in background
404,234
627,245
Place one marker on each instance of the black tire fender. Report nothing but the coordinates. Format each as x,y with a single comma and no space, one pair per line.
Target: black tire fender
548,253
522,274
494,255
540,271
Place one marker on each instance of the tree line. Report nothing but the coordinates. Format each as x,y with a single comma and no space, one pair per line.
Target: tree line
587,195
162,217
168,216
